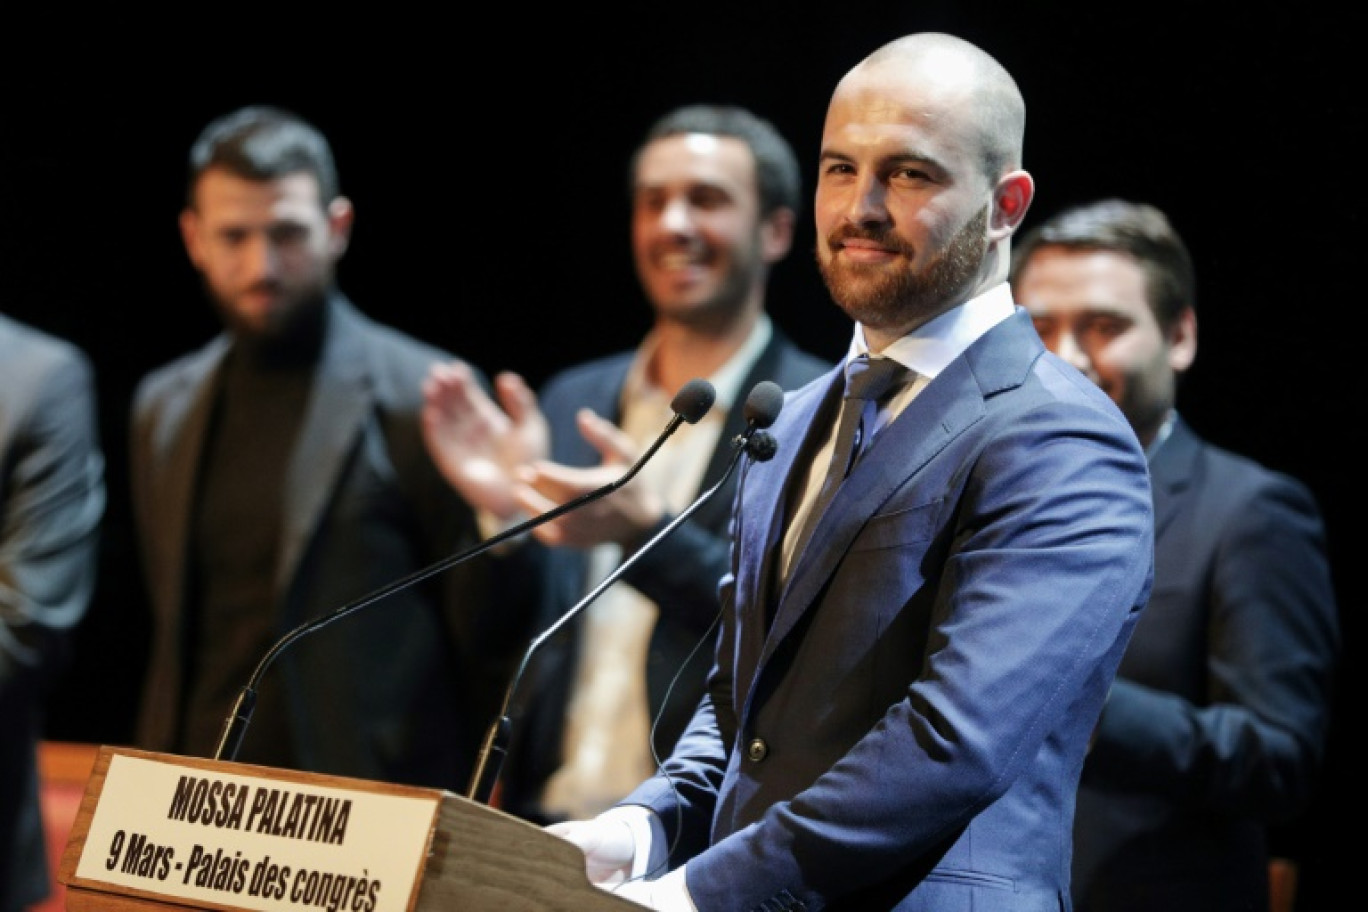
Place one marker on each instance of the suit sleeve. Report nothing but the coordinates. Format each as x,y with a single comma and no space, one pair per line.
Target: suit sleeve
1253,744
682,572
1032,582
53,499
685,799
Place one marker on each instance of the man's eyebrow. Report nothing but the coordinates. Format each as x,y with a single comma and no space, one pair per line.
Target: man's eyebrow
895,159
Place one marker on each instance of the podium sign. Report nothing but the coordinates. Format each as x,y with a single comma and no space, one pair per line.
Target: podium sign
166,833
239,839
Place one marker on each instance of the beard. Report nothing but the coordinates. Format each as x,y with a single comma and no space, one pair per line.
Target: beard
891,298
293,329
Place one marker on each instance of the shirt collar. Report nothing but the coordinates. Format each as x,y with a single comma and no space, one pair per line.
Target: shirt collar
931,347
726,380
1161,435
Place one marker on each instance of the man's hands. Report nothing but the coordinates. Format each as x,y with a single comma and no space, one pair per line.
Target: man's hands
479,446
623,516
608,844
668,894
497,456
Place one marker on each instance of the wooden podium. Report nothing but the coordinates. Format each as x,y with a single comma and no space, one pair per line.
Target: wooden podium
162,832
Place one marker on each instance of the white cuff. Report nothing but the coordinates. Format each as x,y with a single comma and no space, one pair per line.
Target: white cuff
646,832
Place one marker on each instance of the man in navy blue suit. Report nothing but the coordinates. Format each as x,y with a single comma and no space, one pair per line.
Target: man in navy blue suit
903,694
1216,725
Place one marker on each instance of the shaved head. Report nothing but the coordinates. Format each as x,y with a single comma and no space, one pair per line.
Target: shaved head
971,84
920,186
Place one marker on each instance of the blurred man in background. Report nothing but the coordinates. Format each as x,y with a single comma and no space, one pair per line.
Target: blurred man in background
52,501
279,473
715,191
1216,725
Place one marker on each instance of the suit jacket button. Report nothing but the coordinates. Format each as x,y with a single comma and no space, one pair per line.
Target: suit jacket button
757,750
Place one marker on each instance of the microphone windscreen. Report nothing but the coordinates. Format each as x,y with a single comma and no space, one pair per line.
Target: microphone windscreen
763,403
762,446
693,400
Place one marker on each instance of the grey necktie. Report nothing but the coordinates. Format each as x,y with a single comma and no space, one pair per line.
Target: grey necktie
867,380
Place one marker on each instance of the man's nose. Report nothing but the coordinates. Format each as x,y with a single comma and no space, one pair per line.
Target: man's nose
677,216
1068,347
868,201
261,256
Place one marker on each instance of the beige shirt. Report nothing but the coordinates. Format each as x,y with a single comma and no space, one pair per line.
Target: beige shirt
607,746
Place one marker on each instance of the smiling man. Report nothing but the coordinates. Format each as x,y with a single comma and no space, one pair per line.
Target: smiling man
920,620
714,191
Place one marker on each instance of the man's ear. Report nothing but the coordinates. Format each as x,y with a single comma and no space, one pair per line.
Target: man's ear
189,230
1011,198
776,234
1182,341
341,216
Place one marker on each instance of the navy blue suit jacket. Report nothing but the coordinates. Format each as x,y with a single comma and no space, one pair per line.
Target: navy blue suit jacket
681,574
1216,725
908,733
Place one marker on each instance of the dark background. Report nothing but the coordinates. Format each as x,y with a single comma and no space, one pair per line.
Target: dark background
487,161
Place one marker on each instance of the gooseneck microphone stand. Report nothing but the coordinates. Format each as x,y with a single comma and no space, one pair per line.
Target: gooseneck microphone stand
762,407
690,404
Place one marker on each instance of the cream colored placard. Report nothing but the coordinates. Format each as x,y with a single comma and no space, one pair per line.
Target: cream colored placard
255,843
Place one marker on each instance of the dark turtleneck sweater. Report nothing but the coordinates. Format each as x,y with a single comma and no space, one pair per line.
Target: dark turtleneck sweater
235,608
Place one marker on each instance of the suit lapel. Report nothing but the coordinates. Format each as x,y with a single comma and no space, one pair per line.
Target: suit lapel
180,445
939,413
954,401
340,400
1170,473
764,367
602,392
764,513
713,514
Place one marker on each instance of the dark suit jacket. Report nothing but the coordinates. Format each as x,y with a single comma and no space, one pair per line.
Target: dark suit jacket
1216,724
384,694
908,733
52,499
681,574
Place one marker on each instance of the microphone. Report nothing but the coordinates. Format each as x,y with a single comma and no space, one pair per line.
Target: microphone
690,404
761,408
762,446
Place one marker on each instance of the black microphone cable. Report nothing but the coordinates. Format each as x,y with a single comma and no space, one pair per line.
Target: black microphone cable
690,404
761,447
761,409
